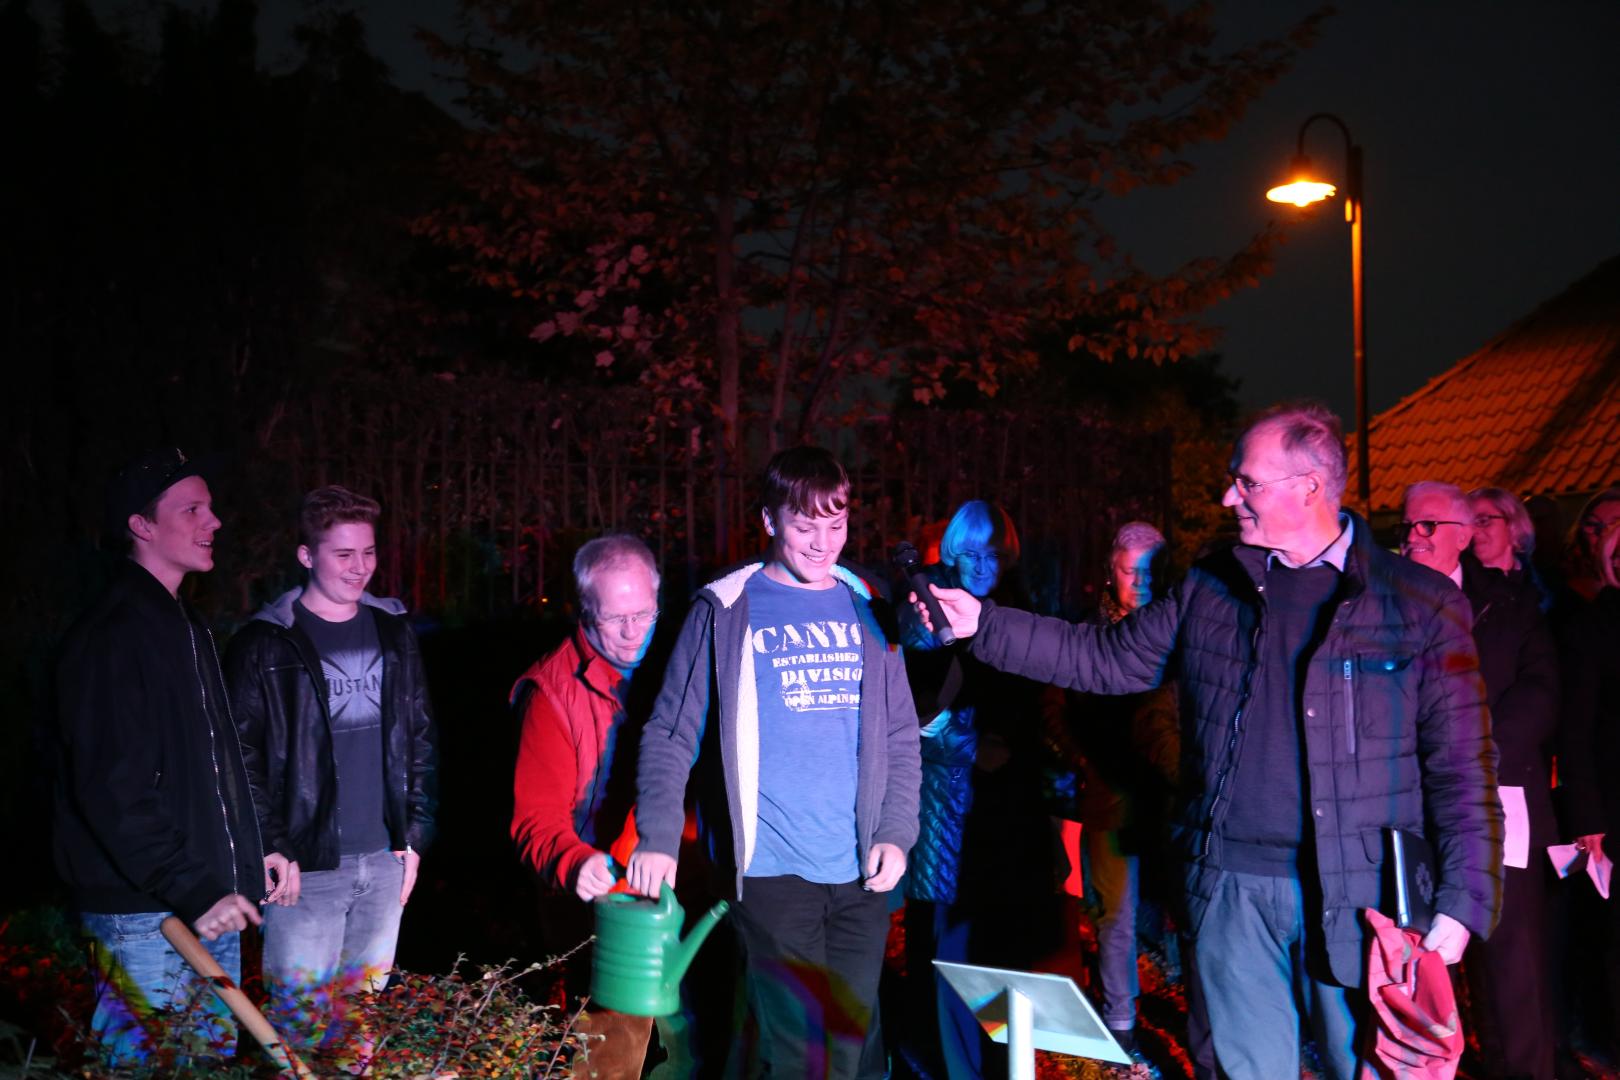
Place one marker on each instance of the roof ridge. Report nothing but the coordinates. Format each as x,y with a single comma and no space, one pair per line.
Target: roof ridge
1568,293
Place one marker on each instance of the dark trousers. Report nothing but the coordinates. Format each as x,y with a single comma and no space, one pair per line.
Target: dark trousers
1507,981
813,954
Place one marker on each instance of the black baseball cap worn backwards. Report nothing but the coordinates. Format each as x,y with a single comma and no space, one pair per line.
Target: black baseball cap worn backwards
143,480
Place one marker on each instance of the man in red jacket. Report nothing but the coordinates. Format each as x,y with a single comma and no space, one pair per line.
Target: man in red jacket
575,785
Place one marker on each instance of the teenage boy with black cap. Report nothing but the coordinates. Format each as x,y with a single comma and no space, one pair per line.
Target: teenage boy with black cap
153,812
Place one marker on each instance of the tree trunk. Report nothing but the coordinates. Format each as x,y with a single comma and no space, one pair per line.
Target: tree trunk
728,349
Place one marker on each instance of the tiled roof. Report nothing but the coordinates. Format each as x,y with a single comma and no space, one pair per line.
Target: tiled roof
1537,410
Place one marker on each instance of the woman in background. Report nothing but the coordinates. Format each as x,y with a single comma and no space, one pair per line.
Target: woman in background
978,877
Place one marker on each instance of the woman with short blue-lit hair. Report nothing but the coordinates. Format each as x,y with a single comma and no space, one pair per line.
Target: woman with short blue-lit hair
980,867
978,541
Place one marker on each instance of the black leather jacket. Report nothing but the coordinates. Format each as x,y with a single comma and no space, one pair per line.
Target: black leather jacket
279,698
153,810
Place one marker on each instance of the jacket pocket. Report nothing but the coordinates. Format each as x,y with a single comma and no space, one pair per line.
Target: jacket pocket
1380,697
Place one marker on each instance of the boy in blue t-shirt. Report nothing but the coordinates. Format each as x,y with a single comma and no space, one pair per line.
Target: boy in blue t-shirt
810,778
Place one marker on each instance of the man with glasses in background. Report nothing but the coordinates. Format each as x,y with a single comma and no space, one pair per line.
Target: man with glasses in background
575,783
1329,689
1508,976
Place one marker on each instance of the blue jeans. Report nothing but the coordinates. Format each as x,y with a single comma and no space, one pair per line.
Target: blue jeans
137,972
1114,877
336,942
1250,962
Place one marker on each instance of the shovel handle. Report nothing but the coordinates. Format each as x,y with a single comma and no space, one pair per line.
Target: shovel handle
203,963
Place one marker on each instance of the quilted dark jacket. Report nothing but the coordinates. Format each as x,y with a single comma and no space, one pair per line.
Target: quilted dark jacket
1396,727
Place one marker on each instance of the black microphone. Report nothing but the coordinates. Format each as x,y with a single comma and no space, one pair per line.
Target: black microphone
909,563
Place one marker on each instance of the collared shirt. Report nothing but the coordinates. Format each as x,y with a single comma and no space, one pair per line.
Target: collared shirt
1333,555
1456,575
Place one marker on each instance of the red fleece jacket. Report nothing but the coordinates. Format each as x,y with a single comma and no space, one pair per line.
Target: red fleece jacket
567,747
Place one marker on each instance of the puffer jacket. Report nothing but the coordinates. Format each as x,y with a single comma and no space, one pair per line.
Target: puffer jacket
1396,728
707,718
279,697
959,700
574,786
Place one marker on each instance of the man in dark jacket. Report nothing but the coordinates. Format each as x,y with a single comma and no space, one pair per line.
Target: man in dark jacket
1329,690
153,813
332,705
789,696
1507,975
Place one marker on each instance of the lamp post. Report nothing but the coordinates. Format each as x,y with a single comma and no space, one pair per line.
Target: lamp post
1303,189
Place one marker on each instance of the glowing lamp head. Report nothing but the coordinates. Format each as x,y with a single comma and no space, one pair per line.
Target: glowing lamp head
1302,192
1303,189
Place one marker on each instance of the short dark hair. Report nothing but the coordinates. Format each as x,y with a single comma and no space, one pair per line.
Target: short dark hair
806,480
333,505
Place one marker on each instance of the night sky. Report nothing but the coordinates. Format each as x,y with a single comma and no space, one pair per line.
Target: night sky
1492,158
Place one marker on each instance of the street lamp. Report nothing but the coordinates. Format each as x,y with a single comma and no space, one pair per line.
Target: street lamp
1305,187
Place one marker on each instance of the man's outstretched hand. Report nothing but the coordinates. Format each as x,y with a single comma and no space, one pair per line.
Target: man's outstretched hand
961,609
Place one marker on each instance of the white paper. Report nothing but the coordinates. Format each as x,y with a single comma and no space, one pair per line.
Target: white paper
1563,857
1516,848
1599,868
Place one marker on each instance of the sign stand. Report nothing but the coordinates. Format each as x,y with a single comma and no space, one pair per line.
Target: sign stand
1030,1011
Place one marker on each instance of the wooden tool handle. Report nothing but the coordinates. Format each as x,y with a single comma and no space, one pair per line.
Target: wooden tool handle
203,963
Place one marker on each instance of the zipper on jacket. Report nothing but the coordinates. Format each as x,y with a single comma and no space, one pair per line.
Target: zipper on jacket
317,675
1349,709
213,754
236,741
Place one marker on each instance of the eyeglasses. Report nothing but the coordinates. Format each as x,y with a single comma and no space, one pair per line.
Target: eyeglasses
1426,528
1482,521
979,558
1245,486
624,622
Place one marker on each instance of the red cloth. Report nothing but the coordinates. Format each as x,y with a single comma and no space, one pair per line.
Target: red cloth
1419,1036
567,723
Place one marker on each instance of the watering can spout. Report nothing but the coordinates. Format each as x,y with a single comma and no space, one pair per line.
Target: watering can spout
682,958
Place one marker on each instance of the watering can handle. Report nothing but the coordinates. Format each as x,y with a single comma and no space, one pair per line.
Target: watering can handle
666,895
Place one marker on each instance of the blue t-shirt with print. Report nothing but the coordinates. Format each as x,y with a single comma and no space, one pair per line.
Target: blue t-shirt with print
807,669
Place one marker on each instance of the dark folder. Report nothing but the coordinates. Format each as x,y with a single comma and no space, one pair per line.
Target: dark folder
1416,879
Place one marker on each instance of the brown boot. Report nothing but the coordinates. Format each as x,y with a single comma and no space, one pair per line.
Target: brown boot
617,1045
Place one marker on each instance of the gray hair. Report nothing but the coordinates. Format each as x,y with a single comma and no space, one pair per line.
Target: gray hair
1514,515
1135,535
1310,435
614,551
1459,502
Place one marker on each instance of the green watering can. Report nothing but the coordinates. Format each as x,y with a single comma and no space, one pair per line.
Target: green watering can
639,958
